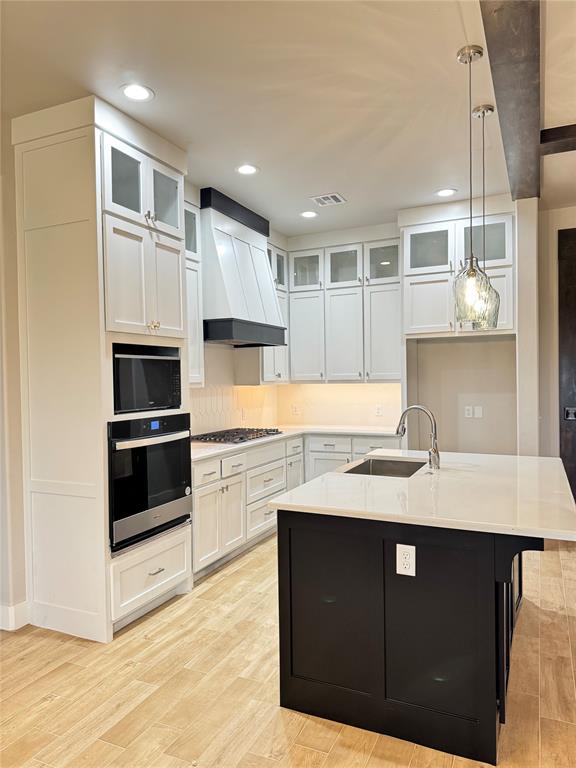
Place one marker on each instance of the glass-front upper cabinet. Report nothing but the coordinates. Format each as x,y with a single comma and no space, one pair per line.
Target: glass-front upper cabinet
306,270
278,264
381,262
192,231
124,180
343,266
141,189
429,248
499,240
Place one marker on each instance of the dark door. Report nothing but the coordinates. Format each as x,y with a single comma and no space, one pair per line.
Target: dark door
567,349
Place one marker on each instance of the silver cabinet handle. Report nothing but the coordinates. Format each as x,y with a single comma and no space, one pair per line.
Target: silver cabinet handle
320,283
278,375
451,325
268,479
208,474
359,279
367,279
329,445
241,464
156,572
367,374
360,374
290,463
321,374
270,512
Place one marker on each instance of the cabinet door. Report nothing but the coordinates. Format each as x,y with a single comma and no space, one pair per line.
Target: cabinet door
381,262
343,266
124,183
294,472
206,525
307,336
169,284
195,324
503,281
428,304
382,332
499,240
344,336
306,270
429,248
281,358
280,269
127,263
192,231
232,514
166,199
320,463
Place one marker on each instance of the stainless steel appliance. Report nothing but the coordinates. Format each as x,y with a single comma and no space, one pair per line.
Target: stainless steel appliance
146,378
238,435
150,477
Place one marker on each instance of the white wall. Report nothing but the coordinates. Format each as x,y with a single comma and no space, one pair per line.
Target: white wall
550,223
343,236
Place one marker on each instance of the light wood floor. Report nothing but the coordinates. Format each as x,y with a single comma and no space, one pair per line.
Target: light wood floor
196,684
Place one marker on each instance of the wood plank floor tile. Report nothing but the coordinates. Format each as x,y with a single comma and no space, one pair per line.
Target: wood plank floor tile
319,734
525,665
98,754
557,692
558,744
303,757
24,748
144,753
424,757
519,739
279,734
391,753
352,748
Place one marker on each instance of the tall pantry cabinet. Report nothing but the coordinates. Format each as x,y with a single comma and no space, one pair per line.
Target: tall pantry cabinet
100,258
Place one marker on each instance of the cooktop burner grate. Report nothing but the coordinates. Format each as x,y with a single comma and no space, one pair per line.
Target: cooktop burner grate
239,435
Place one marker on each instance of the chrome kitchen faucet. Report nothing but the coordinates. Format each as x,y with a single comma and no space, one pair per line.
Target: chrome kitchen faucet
433,455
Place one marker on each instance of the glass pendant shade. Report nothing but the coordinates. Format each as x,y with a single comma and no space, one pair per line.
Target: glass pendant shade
476,300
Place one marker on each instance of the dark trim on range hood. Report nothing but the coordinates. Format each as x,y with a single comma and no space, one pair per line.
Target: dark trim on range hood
243,333
212,198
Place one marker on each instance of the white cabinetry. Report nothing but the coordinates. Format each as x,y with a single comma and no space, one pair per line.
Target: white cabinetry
279,265
275,360
381,262
499,240
429,248
428,304
294,472
144,280
382,332
139,188
319,463
194,296
307,362
343,265
344,335
307,270
219,524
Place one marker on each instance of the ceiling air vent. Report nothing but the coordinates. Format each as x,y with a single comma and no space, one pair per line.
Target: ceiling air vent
331,199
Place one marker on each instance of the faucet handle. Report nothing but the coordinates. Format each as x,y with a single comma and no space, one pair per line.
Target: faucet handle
401,429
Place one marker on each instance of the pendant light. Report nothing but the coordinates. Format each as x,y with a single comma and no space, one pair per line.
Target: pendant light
473,294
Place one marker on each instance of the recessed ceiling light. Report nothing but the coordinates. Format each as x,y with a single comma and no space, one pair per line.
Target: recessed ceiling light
447,192
308,214
137,92
385,263
247,169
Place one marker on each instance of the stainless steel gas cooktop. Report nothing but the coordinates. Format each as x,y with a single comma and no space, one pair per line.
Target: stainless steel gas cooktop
239,435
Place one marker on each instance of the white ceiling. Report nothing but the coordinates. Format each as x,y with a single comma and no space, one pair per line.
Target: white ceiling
361,98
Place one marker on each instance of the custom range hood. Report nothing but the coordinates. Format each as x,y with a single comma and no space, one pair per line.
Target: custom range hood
240,303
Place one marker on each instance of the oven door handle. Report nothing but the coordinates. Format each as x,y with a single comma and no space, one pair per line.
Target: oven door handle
142,442
122,356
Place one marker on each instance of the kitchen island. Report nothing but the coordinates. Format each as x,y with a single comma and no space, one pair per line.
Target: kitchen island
414,643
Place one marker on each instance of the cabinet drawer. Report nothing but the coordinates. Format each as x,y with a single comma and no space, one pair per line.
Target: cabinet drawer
206,472
265,481
260,518
148,572
294,446
266,454
232,465
364,445
336,443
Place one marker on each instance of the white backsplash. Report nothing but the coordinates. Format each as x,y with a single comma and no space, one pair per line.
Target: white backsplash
213,408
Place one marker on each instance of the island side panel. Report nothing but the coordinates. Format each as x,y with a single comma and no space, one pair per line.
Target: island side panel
344,611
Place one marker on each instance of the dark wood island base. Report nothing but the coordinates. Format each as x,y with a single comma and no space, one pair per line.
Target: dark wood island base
421,658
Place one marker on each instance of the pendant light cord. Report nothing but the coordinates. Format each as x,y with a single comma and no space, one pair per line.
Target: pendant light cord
470,147
483,192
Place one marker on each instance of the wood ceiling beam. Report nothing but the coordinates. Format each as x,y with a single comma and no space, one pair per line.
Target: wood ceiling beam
512,31
560,139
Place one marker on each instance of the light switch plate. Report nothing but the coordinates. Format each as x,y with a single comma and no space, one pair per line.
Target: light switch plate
405,559
478,412
379,410
468,411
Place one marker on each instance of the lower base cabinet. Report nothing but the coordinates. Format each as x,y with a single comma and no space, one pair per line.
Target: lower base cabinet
219,520
259,518
294,472
318,463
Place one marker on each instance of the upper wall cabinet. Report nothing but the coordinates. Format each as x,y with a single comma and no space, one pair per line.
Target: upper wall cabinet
307,360
429,248
344,329
381,262
279,265
307,270
383,332
192,231
142,189
343,266
499,240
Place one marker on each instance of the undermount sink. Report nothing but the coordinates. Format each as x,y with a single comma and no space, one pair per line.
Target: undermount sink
386,468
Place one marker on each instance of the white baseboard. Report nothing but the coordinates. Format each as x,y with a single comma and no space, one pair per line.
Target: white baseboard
14,616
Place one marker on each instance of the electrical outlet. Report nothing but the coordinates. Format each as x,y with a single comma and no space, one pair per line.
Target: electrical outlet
468,411
478,412
406,559
379,410
295,410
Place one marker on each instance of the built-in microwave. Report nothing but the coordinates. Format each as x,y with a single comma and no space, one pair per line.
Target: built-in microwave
146,378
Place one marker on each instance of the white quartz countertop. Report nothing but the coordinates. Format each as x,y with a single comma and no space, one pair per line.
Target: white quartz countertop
517,495
201,450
